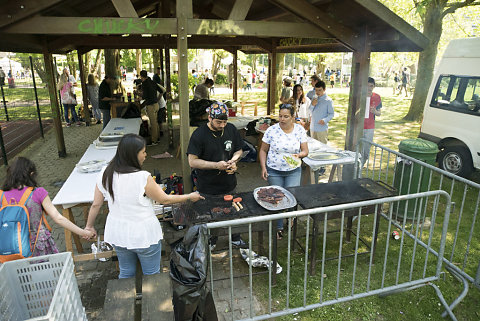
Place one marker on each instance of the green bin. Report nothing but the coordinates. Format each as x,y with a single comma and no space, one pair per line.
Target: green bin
422,150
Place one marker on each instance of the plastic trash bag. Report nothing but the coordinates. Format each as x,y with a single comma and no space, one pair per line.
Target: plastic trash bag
192,300
257,260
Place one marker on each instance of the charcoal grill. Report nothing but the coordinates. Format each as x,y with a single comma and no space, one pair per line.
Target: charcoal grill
321,195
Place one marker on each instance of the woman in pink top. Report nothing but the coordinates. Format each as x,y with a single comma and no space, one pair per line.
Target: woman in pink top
21,174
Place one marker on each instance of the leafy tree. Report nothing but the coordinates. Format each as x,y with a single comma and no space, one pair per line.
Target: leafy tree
430,15
218,55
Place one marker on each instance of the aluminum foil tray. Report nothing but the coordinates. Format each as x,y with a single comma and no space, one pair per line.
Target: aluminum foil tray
288,201
91,166
324,156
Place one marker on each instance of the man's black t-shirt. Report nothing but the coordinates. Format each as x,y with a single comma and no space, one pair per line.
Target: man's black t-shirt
104,91
149,89
215,147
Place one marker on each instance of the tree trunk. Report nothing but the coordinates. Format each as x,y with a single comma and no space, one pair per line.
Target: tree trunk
156,59
281,66
254,62
40,70
138,56
320,67
215,65
98,60
71,63
426,61
88,57
112,62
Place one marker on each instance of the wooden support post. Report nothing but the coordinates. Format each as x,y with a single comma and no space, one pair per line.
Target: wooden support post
235,75
83,83
162,70
272,82
52,91
168,83
358,98
184,11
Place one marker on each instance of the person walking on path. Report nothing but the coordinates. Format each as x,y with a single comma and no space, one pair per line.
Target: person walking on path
374,106
104,97
132,227
21,180
282,141
322,112
92,93
150,97
405,81
68,98
213,152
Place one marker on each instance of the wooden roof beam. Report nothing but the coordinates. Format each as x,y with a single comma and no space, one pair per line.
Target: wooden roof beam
125,8
390,18
13,11
319,18
240,10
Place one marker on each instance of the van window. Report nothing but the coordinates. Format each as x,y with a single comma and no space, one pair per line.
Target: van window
457,93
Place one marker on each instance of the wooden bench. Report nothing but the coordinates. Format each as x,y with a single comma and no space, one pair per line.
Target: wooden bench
152,302
249,103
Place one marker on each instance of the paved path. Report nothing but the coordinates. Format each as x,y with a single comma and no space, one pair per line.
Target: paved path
93,276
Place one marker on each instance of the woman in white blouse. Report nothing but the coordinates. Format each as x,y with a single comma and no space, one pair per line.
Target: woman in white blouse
280,142
132,227
301,103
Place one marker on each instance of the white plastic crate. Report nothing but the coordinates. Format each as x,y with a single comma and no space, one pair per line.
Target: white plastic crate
40,288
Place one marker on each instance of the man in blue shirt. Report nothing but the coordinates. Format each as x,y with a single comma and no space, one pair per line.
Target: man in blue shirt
321,109
313,80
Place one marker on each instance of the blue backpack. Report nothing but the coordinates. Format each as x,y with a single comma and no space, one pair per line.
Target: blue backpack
15,228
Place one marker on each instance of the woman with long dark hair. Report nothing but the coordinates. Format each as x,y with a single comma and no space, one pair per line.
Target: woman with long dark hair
132,227
21,183
301,103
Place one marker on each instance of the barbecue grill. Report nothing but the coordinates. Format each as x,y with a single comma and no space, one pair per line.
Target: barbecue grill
321,195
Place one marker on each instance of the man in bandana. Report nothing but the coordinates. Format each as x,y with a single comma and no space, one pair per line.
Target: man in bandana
213,152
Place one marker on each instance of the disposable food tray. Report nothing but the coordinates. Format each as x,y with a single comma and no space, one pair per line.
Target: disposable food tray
288,200
39,289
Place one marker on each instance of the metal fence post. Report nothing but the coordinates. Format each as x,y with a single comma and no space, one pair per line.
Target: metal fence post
36,97
5,104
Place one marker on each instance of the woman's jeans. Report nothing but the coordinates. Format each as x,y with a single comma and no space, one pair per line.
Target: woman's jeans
284,179
106,117
149,259
66,107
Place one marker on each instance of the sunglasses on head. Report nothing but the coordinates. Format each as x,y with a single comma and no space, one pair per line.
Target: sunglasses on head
286,106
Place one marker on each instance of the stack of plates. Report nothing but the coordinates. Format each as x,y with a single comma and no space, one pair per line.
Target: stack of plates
91,166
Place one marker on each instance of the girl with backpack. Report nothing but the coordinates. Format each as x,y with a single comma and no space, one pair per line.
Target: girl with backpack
132,227
20,180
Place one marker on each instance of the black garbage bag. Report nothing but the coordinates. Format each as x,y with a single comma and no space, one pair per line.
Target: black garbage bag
192,300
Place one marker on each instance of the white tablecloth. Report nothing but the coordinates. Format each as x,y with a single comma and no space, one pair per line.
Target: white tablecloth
241,122
80,187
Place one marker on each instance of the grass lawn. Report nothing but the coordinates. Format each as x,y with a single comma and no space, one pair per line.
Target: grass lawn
419,304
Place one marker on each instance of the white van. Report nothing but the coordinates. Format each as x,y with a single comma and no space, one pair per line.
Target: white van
451,116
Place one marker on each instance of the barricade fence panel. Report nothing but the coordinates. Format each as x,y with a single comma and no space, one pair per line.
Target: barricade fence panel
372,263
410,175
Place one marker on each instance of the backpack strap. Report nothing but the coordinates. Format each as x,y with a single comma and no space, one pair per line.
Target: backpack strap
4,199
26,195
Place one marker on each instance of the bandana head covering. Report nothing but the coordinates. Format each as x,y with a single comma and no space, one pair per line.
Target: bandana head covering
218,110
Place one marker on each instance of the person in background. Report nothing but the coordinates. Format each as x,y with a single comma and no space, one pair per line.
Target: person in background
150,102
70,78
248,77
332,79
21,176
132,227
213,152
105,97
374,105
405,81
284,139
2,77
68,98
322,112
157,76
396,81
313,81
202,90
302,104
92,93
287,91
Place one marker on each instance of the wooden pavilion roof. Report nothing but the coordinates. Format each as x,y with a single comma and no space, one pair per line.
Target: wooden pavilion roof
59,26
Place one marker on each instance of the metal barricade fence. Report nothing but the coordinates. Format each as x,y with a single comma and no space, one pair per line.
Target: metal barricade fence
396,168
401,264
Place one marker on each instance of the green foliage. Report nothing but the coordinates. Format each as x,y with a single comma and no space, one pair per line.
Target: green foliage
127,58
174,81
221,79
